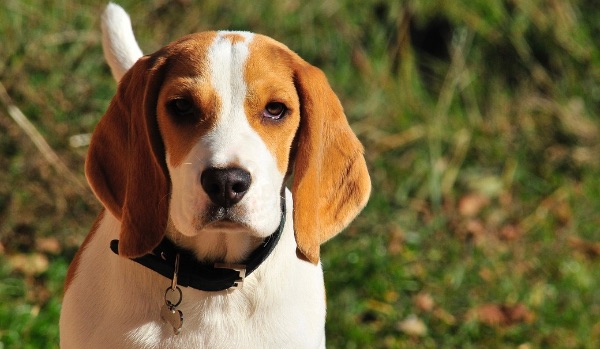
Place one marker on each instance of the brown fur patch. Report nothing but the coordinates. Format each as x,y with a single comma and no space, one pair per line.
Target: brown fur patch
188,77
125,165
270,78
331,180
234,38
72,271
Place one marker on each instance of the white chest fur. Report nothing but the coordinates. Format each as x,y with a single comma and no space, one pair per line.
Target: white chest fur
115,303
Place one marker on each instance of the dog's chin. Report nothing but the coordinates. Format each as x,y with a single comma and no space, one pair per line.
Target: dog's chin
227,225
222,220
214,219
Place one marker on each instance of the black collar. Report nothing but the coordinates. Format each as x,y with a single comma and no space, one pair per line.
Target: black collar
204,276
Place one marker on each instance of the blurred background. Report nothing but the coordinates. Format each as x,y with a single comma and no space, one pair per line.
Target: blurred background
480,120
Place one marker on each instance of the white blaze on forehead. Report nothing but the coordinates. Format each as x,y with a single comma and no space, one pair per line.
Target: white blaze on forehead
227,57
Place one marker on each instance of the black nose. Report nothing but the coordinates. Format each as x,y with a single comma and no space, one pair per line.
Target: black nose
225,186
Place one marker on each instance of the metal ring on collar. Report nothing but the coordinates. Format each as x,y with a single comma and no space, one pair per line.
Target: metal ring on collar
168,302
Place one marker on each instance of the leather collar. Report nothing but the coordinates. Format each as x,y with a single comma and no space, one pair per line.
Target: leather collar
205,276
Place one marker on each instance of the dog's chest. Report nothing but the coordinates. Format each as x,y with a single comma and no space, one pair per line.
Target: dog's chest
256,319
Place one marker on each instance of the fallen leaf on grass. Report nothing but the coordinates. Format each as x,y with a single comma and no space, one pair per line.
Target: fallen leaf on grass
424,302
486,274
510,232
470,205
413,326
29,264
590,249
563,213
501,315
489,314
475,229
396,241
37,291
471,230
48,245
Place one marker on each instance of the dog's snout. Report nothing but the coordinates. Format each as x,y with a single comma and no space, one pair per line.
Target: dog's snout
225,186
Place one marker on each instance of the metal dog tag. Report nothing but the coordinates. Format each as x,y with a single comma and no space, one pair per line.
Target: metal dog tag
172,316
169,312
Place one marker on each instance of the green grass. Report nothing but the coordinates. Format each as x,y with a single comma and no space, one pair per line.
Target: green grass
480,123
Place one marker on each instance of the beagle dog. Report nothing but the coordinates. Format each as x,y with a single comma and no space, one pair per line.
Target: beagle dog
200,244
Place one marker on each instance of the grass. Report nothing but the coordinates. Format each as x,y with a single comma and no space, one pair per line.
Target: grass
480,121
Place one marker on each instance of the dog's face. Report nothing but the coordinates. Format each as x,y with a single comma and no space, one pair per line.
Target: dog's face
203,134
227,120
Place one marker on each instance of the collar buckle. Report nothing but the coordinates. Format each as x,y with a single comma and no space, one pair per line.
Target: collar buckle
240,268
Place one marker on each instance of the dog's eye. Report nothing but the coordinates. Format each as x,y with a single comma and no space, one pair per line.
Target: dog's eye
181,107
275,110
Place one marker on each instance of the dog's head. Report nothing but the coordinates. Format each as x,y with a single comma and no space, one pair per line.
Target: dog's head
204,134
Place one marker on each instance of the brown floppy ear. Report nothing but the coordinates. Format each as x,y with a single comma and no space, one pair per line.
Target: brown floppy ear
331,181
126,165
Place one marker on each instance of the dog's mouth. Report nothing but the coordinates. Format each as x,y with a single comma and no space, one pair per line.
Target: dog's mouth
226,224
224,219
217,213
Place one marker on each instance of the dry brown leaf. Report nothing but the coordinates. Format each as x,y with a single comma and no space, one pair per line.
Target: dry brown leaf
48,245
470,205
424,302
396,241
29,264
486,274
590,249
475,228
500,315
510,232
563,213
489,314
519,314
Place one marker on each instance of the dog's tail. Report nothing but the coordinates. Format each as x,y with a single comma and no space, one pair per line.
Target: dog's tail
118,42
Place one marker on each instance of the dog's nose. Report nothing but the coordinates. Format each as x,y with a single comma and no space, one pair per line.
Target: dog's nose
225,186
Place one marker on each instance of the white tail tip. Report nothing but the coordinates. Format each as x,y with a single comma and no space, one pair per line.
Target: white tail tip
118,41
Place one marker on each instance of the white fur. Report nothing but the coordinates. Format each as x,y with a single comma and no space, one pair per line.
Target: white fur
113,302
118,42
